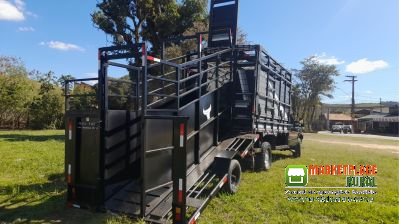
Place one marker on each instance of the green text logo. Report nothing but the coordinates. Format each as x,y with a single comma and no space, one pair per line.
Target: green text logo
296,175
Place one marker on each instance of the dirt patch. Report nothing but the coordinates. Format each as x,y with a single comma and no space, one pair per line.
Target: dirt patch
387,148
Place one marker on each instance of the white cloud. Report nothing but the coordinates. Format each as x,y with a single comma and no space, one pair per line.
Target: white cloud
365,66
11,12
62,46
26,29
344,96
328,60
368,92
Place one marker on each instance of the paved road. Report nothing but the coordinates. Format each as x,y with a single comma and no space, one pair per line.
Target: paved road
360,135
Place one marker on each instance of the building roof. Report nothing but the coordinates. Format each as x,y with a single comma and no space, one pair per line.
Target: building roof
367,111
339,117
380,118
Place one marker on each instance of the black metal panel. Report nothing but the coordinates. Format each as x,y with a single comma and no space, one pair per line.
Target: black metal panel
190,151
207,108
82,156
159,134
206,136
89,149
223,23
158,169
122,141
190,112
158,164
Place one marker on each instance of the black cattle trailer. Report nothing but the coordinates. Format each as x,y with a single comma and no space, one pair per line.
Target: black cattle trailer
161,141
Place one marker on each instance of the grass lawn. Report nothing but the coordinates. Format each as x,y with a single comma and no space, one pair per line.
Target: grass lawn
32,187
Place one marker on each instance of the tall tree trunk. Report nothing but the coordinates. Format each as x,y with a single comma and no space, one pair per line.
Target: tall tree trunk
312,116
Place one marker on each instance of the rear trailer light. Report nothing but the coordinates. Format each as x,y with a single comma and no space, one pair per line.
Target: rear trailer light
181,135
69,175
70,130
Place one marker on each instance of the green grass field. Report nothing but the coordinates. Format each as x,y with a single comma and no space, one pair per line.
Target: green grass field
32,188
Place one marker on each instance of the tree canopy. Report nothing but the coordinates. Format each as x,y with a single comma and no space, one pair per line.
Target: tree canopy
314,80
132,21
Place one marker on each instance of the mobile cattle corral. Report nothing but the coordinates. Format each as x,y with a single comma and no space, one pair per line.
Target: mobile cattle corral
182,127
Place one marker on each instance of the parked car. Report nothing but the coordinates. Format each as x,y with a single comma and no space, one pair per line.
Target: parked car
336,128
347,129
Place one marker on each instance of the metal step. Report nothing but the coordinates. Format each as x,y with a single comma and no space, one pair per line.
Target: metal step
242,104
127,200
242,117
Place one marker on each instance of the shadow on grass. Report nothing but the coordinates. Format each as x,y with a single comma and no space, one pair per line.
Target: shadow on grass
35,202
51,209
55,184
279,156
33,138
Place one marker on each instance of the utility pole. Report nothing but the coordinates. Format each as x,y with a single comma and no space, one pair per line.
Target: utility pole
353,80
380,105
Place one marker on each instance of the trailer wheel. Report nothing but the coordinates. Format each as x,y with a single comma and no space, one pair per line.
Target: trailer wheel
297,150
263,160
233,177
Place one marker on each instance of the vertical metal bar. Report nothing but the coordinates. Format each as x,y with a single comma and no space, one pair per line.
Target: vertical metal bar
163,65
179,170
279,99
143,125
137,93
267,94
216,104
102,92
285,96
273,94
198,113
255,96
127,133
178,77
232,87
66,92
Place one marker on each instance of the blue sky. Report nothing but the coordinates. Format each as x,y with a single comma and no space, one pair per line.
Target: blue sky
360,36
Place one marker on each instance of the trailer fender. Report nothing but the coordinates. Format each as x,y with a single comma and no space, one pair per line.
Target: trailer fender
222,162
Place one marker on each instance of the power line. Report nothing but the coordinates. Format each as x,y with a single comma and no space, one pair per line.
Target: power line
343,91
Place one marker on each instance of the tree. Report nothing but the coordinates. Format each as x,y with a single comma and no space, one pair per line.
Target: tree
314,80
16,92
61,81
48,107
81,102
242,36
132,21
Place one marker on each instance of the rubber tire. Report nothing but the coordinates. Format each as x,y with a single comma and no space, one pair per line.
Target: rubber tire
297,150
263,160
248,163
231,187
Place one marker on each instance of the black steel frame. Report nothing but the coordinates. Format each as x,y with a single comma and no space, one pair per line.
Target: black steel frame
261,60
